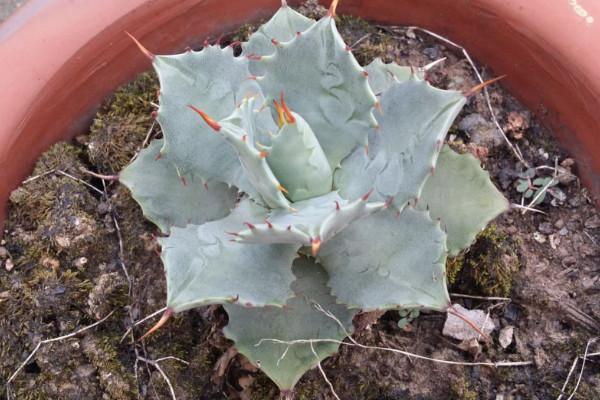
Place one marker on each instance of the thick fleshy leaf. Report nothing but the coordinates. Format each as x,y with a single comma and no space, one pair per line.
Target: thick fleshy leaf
315,221
462,195
204,267
166,200
382,76
282,27
302,321
322,81
298,161
234,130
385,261
415,120
214,81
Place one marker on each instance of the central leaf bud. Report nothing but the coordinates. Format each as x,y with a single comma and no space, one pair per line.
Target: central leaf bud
297,159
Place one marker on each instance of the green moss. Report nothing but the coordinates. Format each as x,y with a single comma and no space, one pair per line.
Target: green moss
122,123
461,391
242,34
489,265
116,380
453,266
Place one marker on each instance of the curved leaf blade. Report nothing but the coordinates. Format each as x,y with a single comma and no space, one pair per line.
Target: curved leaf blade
204,267
165,200
385,261
301,321
282,27
450,196
336,100
415,119
214,81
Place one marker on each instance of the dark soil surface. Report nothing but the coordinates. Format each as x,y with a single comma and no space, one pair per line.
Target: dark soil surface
76,249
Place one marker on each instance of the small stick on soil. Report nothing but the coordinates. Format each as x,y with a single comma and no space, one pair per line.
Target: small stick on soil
357,42
146,139
129,284
165,377
405,353
33,178
323,372
468,296
591,238
585,356
145,142
525,208
100,176
77,332
120,237
514,148
172,358
154,314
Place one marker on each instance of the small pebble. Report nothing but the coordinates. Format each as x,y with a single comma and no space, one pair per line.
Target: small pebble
587,282
539,237
546,228
9,265
575,202
3,252
80,262
432,52
563,231
559,224
593,222
103,208
505,337
511,313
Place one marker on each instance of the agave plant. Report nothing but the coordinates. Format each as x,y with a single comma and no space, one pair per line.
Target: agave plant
297,188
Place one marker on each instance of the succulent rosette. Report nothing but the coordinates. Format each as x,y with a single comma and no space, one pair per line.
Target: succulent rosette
289,177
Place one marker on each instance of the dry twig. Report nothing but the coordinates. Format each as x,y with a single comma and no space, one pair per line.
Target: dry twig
354,343
323,372
585,356
162,310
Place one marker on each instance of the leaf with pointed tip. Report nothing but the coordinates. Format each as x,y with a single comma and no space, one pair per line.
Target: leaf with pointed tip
282,27
324,83
415,120
214,81
164,198
317,219
234,129
462,195
204,267
382,76
247,327
386,262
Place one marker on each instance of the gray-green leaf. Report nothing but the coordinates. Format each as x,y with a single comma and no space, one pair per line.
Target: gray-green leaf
165,200
204,267
385,261
462,195
301,321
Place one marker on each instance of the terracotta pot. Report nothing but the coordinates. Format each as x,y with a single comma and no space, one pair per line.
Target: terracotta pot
60,58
